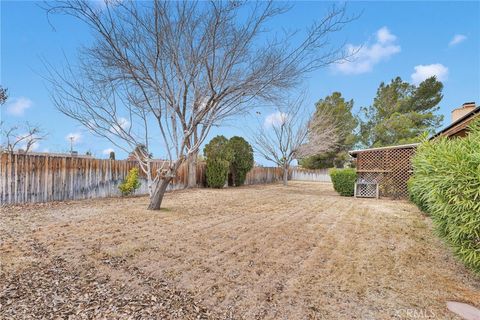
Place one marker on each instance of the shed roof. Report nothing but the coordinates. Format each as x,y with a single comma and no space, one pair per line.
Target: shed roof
353,153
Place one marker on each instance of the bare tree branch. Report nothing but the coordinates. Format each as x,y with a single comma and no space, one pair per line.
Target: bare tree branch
175,69
289,135
21,137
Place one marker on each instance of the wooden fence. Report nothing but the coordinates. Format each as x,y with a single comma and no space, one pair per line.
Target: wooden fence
320,175
261,175
43,177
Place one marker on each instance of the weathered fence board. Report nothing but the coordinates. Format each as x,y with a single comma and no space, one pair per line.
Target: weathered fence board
300,174
260,175
44,177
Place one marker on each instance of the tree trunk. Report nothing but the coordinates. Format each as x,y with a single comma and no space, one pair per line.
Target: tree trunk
158,193
192,170
149,179
150,187
285,176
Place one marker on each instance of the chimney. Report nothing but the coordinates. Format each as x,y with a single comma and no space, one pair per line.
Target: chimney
466,108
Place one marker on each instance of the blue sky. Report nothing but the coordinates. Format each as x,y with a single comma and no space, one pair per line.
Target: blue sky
408,39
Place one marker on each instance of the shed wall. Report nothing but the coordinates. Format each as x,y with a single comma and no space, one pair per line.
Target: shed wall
390,168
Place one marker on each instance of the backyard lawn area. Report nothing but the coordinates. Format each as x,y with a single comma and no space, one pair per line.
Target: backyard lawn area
255,252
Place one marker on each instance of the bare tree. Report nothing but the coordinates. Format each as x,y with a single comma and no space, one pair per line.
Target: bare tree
3,95
287,134
23,137
17,137
165,72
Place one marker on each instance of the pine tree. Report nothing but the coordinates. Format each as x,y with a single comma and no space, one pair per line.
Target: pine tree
401,113
341,110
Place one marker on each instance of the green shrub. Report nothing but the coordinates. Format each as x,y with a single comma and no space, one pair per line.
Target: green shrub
131,183
242,161
217,172
343,181
218,148
447,184
219,155
415,194
236,154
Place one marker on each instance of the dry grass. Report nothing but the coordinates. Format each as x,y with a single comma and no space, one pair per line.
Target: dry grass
269,252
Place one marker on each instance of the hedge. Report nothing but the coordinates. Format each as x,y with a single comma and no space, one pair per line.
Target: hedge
242,160
415,195
446,184
343,181
217,172
219,155
236,154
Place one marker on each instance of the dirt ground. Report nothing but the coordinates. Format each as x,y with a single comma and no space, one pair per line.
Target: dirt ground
258,252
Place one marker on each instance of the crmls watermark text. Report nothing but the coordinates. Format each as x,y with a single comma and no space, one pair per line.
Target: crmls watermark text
410,313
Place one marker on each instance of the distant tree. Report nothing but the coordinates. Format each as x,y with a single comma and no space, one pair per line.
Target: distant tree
18,137
3,99
112,155
242,160
3,95
341,111
319,161
177,68
294,136
21,137
401,113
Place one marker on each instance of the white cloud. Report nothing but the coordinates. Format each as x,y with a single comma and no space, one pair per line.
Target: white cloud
368,55
385,36
74,137
107,151
423,72
458,38
275,119
18,106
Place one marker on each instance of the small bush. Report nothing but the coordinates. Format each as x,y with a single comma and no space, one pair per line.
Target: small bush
219,155
343,181
242,160
236,154
217,172
447,184
131,183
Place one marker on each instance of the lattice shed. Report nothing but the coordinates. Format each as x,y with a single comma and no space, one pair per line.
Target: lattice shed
390,167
